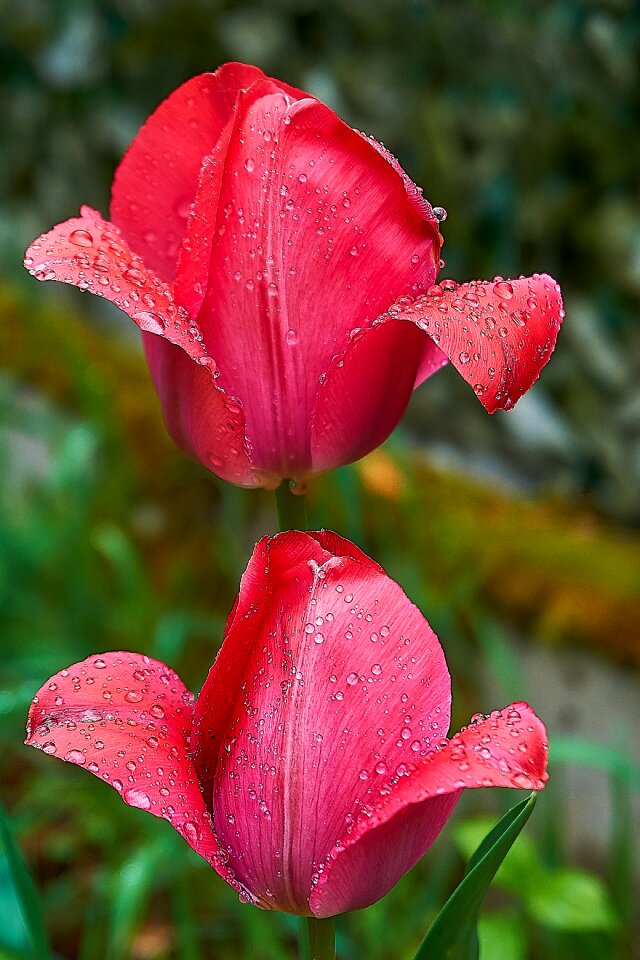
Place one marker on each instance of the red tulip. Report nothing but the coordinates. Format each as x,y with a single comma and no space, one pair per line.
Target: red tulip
282,269
312,772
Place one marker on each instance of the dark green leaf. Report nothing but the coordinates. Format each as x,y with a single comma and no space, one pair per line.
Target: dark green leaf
453,932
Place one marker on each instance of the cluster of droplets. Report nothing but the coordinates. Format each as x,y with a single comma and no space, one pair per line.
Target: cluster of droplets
127,722
498,333
90,253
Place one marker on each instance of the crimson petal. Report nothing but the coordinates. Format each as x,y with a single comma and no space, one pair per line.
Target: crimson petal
127,719
340,683
316,235
498,334
506,749
156,181
90,253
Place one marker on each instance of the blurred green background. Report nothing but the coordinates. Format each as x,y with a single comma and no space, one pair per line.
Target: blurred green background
516,534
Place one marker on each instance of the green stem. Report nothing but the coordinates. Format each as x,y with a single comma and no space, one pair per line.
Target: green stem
319,939
292,508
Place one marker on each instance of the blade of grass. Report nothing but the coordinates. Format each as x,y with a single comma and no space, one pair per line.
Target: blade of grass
25,893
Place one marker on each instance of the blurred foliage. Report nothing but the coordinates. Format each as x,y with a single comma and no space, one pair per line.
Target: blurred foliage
521,119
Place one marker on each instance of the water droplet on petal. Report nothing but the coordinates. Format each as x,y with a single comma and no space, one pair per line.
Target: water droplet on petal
137,798
150,322
81,238
503,289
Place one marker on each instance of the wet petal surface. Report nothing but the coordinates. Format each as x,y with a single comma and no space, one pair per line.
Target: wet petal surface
508,748
342,684
498,334
127,719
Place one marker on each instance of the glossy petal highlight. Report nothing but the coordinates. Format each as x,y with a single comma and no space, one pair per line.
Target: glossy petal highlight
315,237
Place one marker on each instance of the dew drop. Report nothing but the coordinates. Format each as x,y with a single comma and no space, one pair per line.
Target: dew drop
76,756
440,214
249,165
150,322
192,830
503,289
81,238
136,798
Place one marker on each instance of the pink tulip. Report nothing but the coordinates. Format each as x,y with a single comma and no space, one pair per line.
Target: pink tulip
282,268
313,770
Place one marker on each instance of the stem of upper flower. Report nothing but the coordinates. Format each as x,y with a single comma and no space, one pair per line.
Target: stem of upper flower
292,508
319,938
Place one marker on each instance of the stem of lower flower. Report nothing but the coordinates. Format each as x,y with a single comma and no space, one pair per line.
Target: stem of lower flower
319,939
292,508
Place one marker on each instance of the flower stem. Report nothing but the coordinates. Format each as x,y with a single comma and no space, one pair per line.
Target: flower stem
292,508
319,939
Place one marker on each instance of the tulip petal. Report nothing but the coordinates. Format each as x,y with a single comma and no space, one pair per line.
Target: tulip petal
506,749
89,252
316,235
156,181
340,682
204,220
364,395
127,719
498,334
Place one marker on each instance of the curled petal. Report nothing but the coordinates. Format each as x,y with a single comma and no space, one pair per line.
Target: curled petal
90,253
341,684
127,719
156,181
506,749
498,334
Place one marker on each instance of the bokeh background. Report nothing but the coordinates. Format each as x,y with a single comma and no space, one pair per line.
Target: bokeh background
517,534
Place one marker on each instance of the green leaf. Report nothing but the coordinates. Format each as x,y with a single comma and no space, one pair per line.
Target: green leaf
453,932
521,867
132,890
572,900
559,898
27,933
502,936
